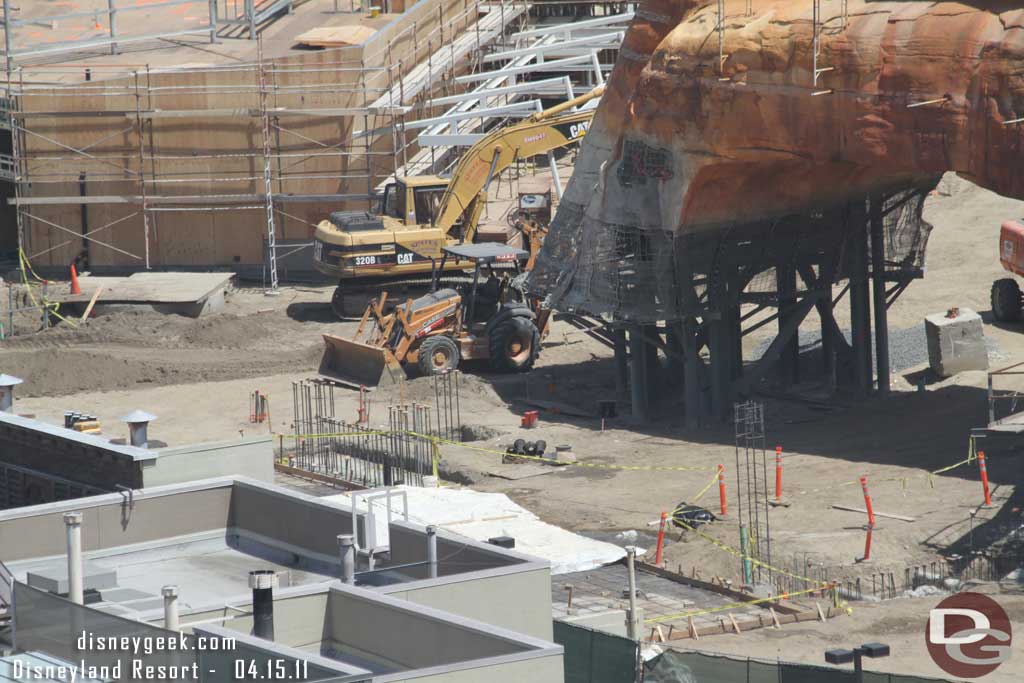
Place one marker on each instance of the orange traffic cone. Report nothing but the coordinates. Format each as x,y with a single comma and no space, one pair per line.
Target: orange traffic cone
75,289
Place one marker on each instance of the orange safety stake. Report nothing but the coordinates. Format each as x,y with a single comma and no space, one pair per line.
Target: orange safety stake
984,478
721,489
778,473
871,519
867,502
661,539
867,545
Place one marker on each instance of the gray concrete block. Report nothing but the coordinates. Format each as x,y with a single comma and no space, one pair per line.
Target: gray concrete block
955,344
54,578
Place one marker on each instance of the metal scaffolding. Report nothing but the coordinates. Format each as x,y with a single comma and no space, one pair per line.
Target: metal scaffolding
416,111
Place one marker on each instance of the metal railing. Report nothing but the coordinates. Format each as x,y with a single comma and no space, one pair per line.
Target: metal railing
113,38
1006,402
6,589
254,12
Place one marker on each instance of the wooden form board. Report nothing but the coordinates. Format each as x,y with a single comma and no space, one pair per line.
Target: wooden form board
152,288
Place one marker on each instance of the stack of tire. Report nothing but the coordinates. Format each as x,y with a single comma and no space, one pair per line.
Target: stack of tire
519,447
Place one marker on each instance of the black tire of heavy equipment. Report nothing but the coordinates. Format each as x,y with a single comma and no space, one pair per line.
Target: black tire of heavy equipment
432,346
502,336
1006,300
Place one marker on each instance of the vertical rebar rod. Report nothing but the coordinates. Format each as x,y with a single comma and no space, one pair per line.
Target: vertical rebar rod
458,409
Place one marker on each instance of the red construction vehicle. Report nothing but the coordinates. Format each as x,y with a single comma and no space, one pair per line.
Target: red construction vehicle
1006,295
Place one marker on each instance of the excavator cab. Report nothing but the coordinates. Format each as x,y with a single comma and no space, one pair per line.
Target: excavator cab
414,200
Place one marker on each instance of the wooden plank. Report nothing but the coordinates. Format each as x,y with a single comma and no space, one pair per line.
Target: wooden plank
679,577
92,302
303,474
336,36
887,515
735,625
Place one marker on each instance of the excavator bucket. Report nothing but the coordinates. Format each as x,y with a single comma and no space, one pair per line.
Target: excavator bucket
359,365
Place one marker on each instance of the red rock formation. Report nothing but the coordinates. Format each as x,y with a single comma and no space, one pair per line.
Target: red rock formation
691,146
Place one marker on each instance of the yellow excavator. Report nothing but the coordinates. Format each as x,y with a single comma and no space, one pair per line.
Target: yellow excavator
419,216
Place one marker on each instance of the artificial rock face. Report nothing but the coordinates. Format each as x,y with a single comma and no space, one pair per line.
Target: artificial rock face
687,143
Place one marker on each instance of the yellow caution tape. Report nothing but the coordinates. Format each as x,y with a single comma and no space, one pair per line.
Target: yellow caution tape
702,491
51,308
733,551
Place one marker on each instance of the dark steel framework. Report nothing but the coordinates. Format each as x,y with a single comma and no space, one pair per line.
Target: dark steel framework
706,291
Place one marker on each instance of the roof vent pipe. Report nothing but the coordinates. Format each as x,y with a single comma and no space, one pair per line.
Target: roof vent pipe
263,582
432,551
138,425
171,620
73,524
7,384
347,547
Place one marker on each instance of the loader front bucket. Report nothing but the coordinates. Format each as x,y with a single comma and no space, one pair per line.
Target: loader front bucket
357,364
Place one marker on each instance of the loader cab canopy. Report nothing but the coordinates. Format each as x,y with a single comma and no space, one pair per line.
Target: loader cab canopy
485,253
483,298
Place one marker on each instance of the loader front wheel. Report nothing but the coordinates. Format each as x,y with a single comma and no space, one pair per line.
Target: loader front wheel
514,344
437,355
1006,300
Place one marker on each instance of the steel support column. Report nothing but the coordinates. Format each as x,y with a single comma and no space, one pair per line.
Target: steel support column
785,282
621,363
638,379
691,373
860,296
651,364
828,322
878,291
721,346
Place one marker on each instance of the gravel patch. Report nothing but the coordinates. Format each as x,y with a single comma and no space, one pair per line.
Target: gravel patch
908,347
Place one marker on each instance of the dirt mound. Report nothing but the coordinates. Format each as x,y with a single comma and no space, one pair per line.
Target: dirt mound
126,346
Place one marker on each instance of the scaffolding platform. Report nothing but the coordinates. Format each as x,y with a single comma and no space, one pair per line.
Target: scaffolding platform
192,294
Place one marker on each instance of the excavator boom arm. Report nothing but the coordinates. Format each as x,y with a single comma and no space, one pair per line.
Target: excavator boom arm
499,149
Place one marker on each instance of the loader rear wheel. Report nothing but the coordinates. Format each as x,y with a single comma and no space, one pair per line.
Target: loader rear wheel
514,344
437,355
1006,300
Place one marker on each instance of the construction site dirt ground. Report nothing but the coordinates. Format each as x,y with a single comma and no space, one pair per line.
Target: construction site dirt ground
196,376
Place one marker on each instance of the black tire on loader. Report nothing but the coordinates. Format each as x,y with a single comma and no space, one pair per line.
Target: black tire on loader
437,355
1006,300
338,303
514,344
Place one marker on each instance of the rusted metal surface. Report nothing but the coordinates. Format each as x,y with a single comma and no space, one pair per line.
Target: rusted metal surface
684,145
